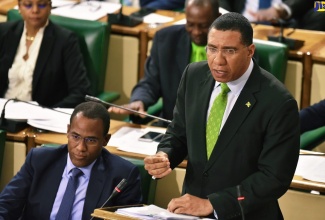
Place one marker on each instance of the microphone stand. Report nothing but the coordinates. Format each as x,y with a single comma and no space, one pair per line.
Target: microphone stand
115,192
107,104
293,44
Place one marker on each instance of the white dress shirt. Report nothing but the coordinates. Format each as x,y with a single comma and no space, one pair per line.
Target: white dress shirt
20,75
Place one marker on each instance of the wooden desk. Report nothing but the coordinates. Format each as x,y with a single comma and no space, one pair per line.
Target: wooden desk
25,136
6,5
299,183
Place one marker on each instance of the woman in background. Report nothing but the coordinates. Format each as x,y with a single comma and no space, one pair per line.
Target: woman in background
40,61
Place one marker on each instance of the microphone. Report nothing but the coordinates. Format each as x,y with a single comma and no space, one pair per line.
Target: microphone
116,191
107,104
123,20
293,44
240,199
11,125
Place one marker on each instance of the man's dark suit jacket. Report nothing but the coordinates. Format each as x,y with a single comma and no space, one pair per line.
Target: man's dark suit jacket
302,12
163,4
312,117
258,146
170,53
60,78
31,193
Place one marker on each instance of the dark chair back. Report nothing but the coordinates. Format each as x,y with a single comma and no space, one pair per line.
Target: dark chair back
148,185
273,57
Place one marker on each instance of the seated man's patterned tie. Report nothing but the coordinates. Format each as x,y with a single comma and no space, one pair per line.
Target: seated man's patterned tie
66,206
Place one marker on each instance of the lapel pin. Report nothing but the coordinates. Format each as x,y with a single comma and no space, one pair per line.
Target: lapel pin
248,104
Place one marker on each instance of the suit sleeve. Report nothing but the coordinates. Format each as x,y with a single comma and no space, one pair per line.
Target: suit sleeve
14,196
174,142
76,76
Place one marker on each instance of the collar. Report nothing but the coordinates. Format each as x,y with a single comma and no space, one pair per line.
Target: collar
86,170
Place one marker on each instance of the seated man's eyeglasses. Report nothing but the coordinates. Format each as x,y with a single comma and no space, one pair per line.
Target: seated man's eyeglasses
89,141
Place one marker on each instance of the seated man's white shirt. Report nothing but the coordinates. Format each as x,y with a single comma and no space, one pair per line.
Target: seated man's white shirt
253,5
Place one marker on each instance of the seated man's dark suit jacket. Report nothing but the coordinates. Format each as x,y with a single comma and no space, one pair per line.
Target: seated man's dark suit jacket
163,4
312,117
258,146
60,78
31,193
170,53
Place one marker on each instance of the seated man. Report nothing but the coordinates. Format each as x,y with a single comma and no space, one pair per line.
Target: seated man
173,48
298,13
38,190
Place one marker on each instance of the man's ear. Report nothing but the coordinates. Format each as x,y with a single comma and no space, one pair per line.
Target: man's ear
251,50
68,129
107,137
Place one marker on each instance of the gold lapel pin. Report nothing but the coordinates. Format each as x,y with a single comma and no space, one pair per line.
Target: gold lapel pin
248,104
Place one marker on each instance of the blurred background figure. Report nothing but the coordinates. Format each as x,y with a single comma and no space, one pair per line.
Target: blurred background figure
297,13
163,4
40,61
173,48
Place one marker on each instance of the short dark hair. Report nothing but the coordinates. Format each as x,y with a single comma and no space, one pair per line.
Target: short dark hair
93,110
213,3
233,21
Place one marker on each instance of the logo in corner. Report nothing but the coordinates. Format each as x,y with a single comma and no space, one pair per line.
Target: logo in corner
319,6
